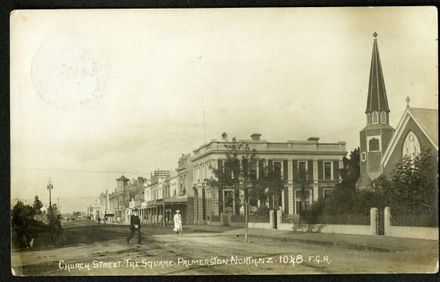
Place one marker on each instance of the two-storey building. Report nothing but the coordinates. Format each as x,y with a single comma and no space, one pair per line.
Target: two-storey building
320,161
154,210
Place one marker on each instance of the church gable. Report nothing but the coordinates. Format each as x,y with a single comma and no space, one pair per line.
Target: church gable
409,139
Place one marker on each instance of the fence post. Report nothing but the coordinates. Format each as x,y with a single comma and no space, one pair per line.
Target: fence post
387,221
373,221
222,219
229,216
279,218
272,218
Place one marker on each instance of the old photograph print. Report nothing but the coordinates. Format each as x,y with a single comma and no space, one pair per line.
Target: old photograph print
224,141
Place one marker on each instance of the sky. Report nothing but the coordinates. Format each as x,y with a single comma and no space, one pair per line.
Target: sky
100,93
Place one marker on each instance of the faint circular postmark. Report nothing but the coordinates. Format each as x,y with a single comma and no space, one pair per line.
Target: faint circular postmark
69,71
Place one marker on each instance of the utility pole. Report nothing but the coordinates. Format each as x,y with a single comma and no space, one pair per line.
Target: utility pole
50,187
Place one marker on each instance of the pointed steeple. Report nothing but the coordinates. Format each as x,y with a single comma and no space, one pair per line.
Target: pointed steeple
377,95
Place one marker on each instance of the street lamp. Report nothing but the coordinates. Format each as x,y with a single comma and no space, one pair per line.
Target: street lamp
50,187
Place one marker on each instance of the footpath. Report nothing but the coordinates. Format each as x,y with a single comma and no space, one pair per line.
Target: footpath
360,242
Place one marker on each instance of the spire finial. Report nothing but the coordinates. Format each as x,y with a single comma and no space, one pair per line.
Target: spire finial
407,101
375,34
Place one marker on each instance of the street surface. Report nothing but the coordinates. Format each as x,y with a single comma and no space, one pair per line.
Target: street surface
92,249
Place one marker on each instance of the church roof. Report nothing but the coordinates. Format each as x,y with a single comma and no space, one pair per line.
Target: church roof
427,119
377,95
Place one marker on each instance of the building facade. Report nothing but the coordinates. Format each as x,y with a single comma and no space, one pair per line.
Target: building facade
417,131
119,200
320,161
185,195
154,210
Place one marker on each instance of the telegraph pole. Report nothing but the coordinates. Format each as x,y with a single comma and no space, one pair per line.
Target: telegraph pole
50,187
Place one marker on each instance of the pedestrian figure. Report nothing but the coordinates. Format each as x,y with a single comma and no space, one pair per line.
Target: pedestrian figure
178,223
135,226
99,219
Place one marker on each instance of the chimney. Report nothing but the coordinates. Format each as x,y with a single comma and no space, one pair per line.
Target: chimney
256,136
313,139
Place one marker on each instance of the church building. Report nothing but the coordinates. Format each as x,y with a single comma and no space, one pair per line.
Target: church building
382,146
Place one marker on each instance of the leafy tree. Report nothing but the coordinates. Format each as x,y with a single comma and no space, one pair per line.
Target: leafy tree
269,185
21,222
351,169
238,170
53,215
301,178
411,188
345,198
414,184
76,214
238,173
312,214
37,205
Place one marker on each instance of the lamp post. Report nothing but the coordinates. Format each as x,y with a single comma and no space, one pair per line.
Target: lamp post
50,187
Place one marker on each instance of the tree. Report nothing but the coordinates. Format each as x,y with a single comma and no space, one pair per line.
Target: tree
21,222
268,185
302,178
76,213
351,169
346,199
53,215
380,190
414,184
238,172
37,205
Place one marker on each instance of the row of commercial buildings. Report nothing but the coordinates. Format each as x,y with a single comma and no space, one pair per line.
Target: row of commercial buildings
188,188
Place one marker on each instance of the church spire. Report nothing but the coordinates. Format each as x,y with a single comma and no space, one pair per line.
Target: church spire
377,95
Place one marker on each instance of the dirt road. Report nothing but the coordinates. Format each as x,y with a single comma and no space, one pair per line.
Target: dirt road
91,249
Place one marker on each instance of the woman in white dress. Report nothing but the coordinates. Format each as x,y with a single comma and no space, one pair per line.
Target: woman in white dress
178,223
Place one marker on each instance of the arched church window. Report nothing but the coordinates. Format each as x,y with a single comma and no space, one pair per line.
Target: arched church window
373,145
411,146
383,117
375,117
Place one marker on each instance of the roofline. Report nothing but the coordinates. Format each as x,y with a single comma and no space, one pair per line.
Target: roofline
314,153
422,129
399,131
269,142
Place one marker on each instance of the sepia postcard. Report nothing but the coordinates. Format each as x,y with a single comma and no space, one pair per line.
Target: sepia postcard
225,141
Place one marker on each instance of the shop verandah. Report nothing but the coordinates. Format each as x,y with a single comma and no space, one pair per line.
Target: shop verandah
161,212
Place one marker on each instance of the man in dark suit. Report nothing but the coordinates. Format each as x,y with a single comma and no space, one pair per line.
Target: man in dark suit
135,226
